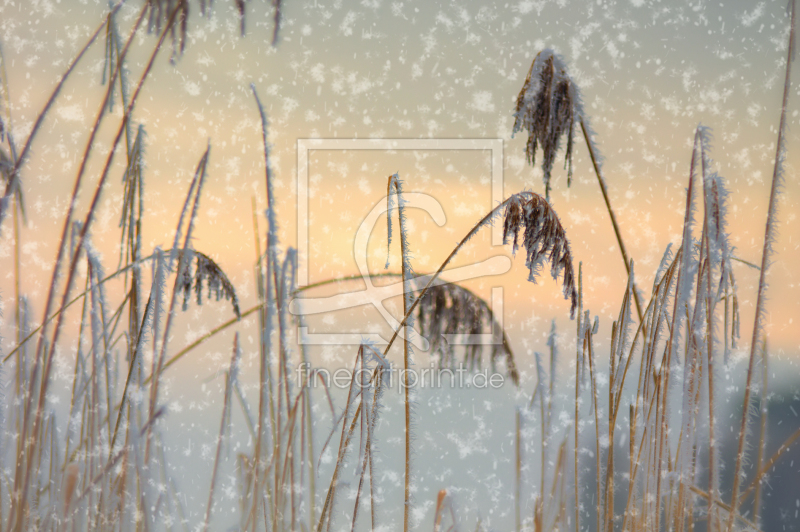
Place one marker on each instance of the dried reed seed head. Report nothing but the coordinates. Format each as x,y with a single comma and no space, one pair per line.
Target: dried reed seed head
547,107
449,309
206,272
543,238
160,11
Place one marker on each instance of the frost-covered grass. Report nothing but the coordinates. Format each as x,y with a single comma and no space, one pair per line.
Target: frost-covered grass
95,458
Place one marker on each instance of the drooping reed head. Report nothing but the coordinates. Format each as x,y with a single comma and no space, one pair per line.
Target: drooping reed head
206,273
547,107
448,311
176,13
543,238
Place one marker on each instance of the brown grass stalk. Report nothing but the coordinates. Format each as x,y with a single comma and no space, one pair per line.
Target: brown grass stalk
46,358
517,473
344,443
12,184
762,439
578,362
229,377
368,418
395,186
769,237
617,232
437,514
265,378
590,355
757,479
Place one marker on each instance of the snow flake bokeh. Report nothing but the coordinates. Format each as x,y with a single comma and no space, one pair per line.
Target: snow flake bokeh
649,73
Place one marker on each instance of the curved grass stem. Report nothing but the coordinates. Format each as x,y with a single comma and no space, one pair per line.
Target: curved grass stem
602,183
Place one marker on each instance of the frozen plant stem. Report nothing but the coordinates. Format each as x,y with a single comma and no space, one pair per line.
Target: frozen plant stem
769,238
762,437
602,182
394,183
518,471
578,359
266,396
13,182
45,351
230,376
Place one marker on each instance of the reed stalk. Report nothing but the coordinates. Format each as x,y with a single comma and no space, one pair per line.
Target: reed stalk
769,238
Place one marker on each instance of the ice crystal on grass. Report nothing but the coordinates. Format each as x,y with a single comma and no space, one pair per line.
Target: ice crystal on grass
206,273
543,238
450,309
547,107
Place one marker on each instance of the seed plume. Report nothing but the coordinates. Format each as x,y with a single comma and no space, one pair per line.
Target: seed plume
547,107
543,238
449,309
208,273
